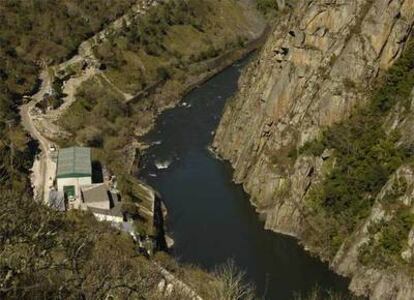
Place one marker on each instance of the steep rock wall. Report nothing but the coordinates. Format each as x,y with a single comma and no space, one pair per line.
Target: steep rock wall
318,65
396,195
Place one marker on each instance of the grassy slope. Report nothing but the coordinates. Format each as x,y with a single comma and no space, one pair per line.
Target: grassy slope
164,45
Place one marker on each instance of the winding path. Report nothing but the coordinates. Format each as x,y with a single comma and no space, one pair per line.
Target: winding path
44,168
41,125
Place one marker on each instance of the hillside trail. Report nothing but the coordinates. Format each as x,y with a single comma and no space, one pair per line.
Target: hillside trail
43,167
41,126
36,123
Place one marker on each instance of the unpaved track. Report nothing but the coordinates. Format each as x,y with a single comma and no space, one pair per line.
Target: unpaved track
70,88
44,167
86,55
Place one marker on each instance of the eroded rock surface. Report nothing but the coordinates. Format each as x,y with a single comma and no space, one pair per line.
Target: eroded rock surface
318,65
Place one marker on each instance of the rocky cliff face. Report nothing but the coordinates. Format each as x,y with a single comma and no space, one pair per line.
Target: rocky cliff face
395,198
319,64
381,284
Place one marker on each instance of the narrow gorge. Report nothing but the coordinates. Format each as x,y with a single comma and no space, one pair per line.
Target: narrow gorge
320,136
212,149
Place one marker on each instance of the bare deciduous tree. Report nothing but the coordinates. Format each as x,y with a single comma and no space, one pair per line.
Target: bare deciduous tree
231,284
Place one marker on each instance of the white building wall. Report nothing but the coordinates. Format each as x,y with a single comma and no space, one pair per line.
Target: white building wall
76,181
85,180
108,218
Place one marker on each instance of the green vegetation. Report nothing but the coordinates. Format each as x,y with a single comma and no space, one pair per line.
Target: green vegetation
267,6
169,39
155,58
51,255
46,254
52,30
97,113
226,282
388,239
365,157
397,190
32,33
270,8
388,236
319,294
55,99
159,53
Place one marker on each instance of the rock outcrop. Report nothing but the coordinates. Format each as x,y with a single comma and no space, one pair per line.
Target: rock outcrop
319,64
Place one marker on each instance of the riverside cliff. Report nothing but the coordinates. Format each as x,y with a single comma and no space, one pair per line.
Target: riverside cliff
320,67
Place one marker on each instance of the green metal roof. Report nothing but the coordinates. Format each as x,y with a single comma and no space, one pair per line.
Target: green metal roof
74,162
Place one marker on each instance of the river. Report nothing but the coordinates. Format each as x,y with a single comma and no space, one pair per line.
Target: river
210,218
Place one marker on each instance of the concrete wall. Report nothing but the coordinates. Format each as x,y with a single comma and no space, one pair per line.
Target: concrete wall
100,204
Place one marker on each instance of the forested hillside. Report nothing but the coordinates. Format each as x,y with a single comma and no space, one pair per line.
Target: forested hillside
43,253
37,258
147,66
32,34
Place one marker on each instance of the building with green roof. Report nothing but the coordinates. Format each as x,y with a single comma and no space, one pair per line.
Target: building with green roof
74,162
74,169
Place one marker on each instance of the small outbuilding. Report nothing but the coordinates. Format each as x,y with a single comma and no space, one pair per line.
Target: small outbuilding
96,196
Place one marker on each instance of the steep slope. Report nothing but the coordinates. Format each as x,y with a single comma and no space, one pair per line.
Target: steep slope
44,253
322,63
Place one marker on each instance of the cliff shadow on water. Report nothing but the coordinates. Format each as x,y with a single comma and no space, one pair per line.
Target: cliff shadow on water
209,216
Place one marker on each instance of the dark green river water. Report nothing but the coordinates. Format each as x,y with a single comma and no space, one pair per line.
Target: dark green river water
210,217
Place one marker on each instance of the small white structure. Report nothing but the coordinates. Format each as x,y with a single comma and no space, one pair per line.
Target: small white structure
109,216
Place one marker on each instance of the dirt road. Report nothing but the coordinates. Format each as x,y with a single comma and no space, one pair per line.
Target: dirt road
44,167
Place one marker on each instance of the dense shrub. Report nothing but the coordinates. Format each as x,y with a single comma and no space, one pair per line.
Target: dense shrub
46,254
267,6
388,238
